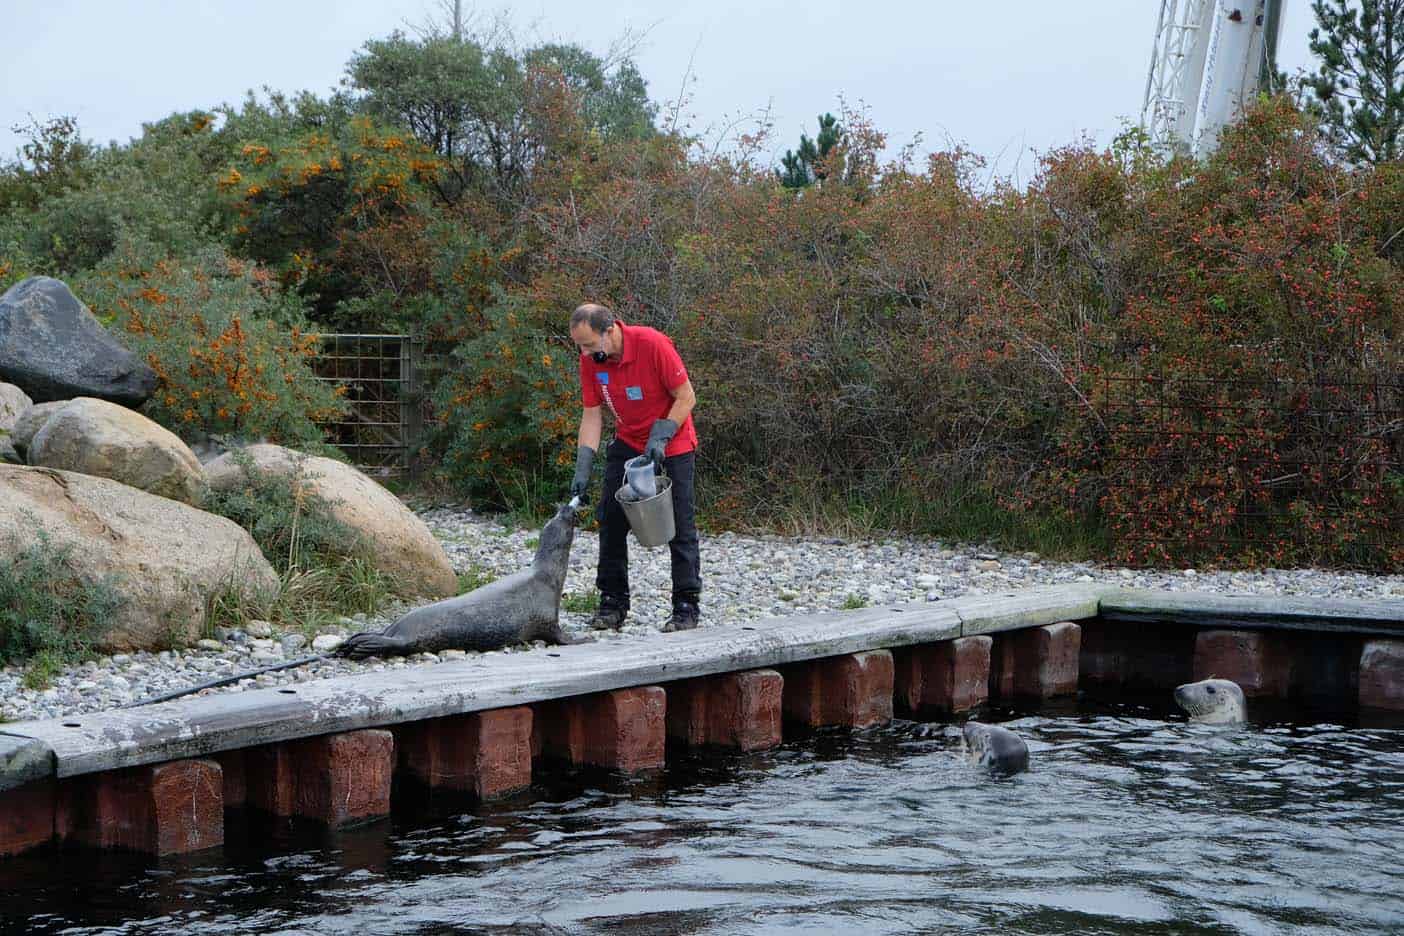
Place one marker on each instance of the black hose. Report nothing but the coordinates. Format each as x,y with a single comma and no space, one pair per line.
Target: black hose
226,680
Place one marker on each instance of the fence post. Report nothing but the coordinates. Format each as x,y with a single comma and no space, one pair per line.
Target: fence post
411,410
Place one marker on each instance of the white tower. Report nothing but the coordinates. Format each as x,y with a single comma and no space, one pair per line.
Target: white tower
1209,60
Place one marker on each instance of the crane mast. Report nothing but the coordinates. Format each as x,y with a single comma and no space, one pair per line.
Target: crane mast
1209,60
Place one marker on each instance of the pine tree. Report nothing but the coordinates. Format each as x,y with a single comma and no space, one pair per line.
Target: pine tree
1361,78
811,163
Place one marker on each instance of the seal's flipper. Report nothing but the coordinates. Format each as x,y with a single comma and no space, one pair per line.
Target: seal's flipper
559,636
360,646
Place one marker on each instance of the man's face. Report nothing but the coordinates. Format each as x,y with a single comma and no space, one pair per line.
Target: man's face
591,342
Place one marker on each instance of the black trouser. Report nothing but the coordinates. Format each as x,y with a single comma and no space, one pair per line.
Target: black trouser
613,577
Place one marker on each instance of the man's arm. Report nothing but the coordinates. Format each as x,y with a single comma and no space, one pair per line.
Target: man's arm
591,427
684,399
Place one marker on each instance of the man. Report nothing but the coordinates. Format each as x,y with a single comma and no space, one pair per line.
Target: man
636,374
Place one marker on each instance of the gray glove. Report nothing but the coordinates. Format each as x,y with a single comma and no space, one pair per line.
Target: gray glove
584,461
658,437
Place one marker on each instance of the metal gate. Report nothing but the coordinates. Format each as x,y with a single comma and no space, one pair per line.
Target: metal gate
381,379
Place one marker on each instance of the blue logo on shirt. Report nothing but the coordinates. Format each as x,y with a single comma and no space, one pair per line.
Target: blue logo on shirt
602,376
634,393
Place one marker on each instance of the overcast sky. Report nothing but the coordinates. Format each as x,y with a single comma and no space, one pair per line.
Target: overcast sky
1005,78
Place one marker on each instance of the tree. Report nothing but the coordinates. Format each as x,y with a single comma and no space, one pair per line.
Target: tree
810,164
489,111
1361,78
55,158
614,102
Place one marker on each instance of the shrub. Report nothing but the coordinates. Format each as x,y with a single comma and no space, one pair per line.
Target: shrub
46,611
306,599
294,527
226,343
1254,342
910,335
325,568
335,211
508,408
159,189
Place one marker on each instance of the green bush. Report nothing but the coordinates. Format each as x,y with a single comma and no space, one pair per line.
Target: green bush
73,214
325,568
508,409
306,599
46,612
293,527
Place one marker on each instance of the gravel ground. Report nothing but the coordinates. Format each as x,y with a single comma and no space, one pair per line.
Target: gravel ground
745,578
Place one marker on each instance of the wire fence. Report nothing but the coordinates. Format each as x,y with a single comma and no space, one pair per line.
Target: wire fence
383,378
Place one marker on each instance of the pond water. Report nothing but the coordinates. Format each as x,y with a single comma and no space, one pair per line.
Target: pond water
1126,823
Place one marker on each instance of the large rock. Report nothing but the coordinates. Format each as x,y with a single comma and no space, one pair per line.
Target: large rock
13,402
111,441
167,558
404,549
30,422
54,349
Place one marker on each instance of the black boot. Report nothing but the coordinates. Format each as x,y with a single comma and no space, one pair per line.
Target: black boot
611,614
685,615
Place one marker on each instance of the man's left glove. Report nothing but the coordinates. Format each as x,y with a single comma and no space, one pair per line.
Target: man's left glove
658,437
584,461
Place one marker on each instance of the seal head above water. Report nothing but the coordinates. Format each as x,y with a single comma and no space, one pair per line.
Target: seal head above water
998,749
1212,701
520,607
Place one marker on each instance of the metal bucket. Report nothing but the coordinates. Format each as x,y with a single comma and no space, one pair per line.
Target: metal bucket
651,519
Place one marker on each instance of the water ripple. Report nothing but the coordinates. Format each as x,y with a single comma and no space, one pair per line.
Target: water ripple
1125,824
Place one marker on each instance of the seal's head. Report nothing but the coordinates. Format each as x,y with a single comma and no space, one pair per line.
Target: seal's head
999,749
1213,701
553,552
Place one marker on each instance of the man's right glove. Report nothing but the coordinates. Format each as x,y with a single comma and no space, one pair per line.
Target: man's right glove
584,461
658,437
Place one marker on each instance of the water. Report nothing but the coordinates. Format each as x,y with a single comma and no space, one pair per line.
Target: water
1126,823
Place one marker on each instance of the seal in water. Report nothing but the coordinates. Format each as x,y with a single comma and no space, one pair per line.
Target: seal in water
998,749
1212,701
523,606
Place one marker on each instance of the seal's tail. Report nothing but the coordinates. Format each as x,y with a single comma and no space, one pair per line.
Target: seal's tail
360,646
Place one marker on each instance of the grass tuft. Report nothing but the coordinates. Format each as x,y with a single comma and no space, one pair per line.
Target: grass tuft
50,616
587,603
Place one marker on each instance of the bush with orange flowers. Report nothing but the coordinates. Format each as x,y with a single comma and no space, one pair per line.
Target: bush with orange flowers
230,349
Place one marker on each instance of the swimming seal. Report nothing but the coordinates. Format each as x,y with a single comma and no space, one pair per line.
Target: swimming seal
523,606
1212,701
997,749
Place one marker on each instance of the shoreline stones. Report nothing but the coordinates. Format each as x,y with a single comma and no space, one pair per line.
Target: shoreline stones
745,578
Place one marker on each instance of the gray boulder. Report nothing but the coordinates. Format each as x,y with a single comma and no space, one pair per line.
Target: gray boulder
403,546
29,423
99,438
166,560
53,348
13,402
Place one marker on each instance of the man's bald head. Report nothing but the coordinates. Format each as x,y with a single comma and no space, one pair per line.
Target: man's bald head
598,317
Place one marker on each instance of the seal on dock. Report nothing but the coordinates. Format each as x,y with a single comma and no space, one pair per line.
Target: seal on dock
997,749
520,607
1212,701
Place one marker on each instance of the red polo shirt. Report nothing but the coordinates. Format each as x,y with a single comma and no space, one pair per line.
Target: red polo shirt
635,388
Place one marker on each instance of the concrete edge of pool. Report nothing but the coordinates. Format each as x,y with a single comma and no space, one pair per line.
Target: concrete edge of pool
158,779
